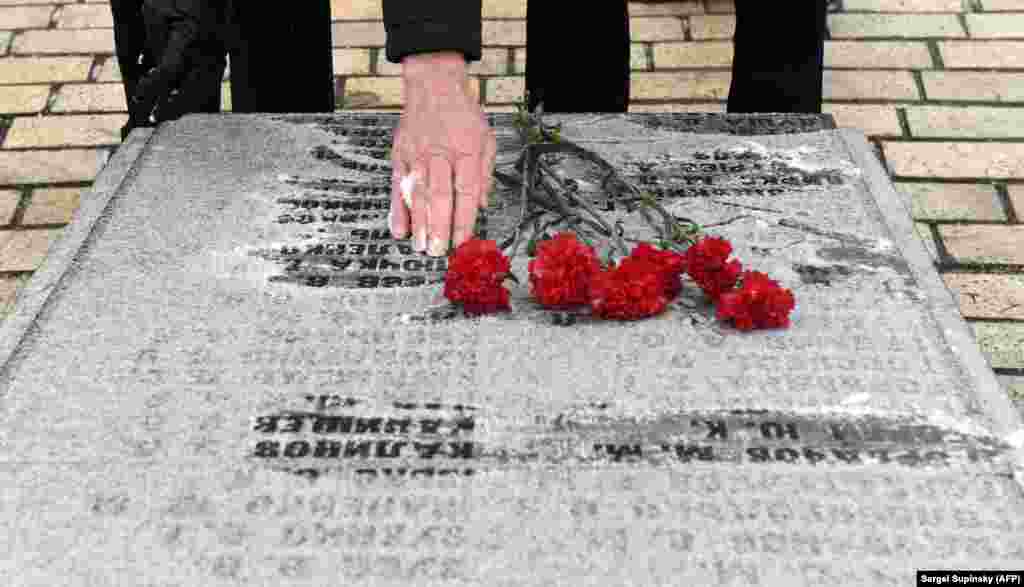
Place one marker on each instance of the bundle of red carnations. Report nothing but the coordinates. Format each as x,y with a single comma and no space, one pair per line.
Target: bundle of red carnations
566,274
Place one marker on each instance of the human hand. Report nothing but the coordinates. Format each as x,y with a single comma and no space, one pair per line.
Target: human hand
153,87
444,151
191,62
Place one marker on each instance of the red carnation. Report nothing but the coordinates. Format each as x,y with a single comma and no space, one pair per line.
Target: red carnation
706,263
631,291
475,274
560,274
670,266
758,303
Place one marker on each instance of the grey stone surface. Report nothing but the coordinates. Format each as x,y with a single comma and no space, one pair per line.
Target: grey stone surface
229,374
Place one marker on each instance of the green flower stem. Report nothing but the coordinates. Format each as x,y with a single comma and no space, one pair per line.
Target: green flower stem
600,227
588,208
612,174
536,176
522,214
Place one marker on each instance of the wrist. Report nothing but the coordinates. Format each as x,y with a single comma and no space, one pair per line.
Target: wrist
439,64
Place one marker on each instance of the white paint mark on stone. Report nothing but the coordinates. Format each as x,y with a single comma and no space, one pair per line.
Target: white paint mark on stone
1016,440
945,420
857,398
749,147
883,244
406,186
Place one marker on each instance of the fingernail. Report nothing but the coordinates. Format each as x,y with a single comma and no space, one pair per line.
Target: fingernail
420,242
437,247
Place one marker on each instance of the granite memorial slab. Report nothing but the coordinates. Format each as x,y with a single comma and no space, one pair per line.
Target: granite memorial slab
228,373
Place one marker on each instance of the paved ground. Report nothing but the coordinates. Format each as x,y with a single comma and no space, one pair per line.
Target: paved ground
938,85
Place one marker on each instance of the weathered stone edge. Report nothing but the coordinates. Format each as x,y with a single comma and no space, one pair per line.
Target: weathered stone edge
15,328
990,394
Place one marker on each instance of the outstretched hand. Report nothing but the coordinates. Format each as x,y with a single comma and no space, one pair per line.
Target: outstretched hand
443,153
186,78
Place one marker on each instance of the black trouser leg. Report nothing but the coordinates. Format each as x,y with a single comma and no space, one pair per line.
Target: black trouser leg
283,61
584,69
130,46
779,55
129,41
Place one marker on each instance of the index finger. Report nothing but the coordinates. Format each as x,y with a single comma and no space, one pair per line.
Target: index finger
487,167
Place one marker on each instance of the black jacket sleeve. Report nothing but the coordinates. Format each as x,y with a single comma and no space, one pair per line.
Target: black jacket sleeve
426,26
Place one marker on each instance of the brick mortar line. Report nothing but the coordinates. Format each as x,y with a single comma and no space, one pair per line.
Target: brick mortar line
963,22
65,147
990,70
19,209
98,61
985,180
374,55
919,82
340,91
39,55
954,181
945,259
51,99
19,227
854,102
975,269
995,321
894,13
55,185
936,55
6,274
973,320
879,153
909,15
901,115
963,222
861,40
865,40
66,114
728,68
943,103
881,38
940,139
1004,199
6,48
